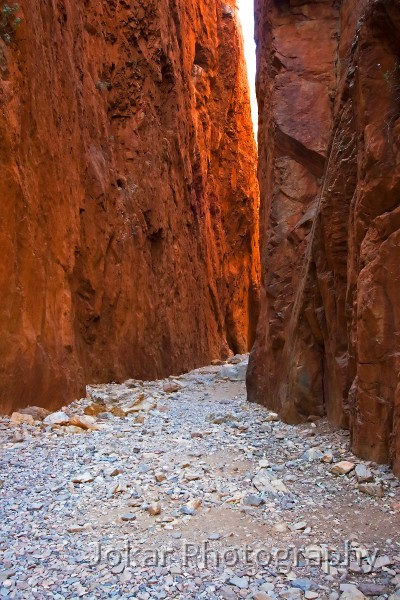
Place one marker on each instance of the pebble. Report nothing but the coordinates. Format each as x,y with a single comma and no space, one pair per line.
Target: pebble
118,569
154,509
313,454
240,582
171,387
36,506
227,593
302,584
253,500
128,517
353,594
373,589
382,561
372,489
83,478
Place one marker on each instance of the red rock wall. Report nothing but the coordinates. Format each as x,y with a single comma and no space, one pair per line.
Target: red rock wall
128,230
328,340
294,87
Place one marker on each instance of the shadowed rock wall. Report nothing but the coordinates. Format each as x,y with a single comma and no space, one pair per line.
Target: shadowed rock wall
128,229
328,339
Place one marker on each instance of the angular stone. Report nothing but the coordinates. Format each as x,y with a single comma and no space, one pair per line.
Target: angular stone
84,422
328,457
373,589
175,570
353,594
313,454
299,527
154,509
372,489
37,412
112,472
302,584
227,593
36,506
234,372
382,561
271,417
240,582
56,418
253,500
265,482
171,387
139,404
281,527
78,528
83,478
187,510
96,408
21,419
117,411
128,517
363,474
342,468
118,569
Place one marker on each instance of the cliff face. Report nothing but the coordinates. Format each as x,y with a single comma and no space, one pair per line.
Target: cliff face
328,336
128,230
294,87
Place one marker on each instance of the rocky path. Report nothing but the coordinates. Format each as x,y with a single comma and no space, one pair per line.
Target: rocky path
181,489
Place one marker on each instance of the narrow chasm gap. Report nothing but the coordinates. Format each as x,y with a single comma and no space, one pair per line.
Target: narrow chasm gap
246,15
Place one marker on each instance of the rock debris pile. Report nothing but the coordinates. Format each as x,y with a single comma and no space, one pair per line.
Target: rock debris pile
181,489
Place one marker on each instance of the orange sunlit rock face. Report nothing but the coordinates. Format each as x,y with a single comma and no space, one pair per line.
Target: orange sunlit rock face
328,336
129,197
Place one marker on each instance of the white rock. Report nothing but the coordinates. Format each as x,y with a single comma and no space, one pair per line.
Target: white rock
57,418
271,417
83,478
264,482
139,404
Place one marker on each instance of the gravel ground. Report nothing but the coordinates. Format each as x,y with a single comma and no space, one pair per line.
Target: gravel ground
181,489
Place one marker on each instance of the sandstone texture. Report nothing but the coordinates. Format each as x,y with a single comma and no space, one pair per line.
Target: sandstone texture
129,197
328,336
